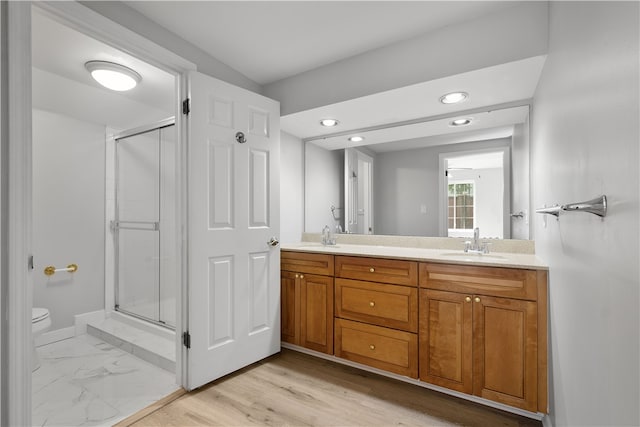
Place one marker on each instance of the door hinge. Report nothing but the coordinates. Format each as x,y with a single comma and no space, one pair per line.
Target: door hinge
186,107
186,339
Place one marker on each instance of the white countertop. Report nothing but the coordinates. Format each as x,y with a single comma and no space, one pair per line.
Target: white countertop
448,256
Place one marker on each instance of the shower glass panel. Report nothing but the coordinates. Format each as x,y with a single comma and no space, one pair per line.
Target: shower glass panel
145,226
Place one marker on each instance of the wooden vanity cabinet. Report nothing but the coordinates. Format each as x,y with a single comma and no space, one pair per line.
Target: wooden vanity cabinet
483,332
376,317
306,282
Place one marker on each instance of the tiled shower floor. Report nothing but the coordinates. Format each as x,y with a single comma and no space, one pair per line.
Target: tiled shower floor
83,381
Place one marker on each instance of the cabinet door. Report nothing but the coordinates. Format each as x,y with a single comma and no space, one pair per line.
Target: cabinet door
290,308
316,312
445,339
505,351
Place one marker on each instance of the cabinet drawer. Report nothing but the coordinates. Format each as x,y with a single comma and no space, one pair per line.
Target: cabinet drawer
383,348
385,305
393,271
304,262
493,281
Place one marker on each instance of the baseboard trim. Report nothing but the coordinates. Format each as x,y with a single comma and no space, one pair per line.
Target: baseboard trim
54,336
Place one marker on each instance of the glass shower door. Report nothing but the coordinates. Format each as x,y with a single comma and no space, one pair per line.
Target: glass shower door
137,225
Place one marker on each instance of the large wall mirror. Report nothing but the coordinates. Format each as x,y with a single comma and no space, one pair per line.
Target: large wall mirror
432,190
443,171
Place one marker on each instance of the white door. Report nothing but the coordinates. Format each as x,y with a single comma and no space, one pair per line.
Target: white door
233,212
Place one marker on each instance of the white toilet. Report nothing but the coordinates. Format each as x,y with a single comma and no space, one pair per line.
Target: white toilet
40,323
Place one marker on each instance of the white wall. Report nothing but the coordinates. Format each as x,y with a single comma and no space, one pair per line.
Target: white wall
585,143
291,188
406,181
323,174
489,191
68,215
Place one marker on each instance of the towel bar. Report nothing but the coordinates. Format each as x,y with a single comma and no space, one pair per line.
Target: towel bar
597,206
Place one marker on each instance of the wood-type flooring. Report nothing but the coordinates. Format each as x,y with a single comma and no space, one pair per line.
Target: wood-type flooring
295,389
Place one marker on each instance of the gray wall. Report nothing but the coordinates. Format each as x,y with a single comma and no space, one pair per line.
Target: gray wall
520,182
585,143
69,214
512,34
291,188
406,180
324,173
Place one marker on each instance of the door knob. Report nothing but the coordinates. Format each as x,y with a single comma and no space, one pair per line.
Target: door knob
240,138
273,241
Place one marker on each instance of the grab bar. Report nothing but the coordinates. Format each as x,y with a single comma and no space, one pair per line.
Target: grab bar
597,206
51,270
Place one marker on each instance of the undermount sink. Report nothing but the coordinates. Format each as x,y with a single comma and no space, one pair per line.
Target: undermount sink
471,256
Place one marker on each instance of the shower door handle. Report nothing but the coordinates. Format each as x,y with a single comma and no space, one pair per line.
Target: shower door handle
273,242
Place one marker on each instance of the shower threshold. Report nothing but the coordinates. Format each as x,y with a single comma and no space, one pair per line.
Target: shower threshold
155,344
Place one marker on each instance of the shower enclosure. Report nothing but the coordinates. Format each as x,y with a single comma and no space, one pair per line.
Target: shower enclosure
145,223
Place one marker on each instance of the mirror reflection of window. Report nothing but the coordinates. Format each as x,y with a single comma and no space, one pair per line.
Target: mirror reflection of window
461,206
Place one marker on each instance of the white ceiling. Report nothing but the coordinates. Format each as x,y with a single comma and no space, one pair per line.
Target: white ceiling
271,40
58,57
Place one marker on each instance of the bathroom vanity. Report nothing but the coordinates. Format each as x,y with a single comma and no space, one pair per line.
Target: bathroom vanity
467,324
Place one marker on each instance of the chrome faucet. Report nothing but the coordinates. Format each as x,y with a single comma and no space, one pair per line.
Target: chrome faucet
476,246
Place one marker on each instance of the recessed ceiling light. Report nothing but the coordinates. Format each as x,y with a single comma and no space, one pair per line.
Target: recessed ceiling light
356,138
454,97
460,122
113,76
329,122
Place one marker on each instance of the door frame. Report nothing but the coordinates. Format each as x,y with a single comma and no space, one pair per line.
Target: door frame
17,289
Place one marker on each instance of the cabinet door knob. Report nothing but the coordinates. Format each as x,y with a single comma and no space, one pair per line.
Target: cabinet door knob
372,270
372,303
477,299
297,276
468,299
372,347
302,276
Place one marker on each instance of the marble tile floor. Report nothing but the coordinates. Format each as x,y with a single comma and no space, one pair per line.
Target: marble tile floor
84,381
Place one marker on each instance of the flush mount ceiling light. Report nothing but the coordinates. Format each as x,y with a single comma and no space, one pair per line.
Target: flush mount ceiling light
113,76
329,122
460,122
454,97
356,138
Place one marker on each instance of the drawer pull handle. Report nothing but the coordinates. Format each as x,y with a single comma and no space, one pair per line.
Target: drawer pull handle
477,299
372,347
468,299
372,303
372,270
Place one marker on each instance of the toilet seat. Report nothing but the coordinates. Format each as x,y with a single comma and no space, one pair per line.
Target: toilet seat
39,314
